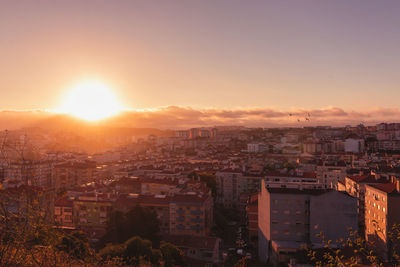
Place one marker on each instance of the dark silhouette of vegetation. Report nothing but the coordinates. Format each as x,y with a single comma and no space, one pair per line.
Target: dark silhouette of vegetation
171,255
136,251
136,222
76,244
210,181
356,251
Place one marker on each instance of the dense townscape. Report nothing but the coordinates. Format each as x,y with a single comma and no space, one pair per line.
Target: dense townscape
221,196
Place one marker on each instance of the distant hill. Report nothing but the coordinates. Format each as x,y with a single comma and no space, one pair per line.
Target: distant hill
14,120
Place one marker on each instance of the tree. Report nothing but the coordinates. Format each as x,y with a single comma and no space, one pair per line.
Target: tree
210,181
122,226
172,255
111,251
136,249
76,244
355,250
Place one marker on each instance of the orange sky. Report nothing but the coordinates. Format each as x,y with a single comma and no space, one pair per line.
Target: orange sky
223,55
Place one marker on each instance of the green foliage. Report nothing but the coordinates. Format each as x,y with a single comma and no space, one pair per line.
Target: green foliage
137,251
156,257
172,256
289,166
355,251
122,226
76,244
111,251
210,181
137,248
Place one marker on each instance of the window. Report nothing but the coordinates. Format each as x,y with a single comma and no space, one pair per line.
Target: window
287,222
274,211
286,232
286,212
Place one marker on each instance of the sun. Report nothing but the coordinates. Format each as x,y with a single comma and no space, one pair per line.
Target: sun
91,101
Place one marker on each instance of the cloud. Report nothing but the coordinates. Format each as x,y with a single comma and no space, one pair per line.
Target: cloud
175,117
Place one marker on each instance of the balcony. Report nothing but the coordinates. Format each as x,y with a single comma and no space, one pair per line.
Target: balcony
180,211
197,220
196,212
180,227
180,219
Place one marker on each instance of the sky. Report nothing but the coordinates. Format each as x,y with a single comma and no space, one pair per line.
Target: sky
204,55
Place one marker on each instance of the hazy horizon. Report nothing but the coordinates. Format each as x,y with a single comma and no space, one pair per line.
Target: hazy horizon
175,118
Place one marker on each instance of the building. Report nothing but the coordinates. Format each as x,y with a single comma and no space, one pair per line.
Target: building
288,218
329,174
252,219
354,145
91,212
381,213
256,148
191,214
63,213
355,186
159,204
230,184
297,179
71,174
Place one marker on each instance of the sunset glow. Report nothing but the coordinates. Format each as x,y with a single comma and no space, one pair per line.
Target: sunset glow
91,101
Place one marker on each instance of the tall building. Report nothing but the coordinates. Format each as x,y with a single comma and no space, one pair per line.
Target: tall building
355,186
191,214
230,184
289,218
381,213
71,174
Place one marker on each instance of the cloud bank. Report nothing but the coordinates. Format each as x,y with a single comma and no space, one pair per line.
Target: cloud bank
175,117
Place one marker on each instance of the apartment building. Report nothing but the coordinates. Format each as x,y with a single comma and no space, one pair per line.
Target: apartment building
71,174
191,214
381,213
90,213
159,204
355,186
252,219
63,213
298,179
230,184
330,173
289,218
